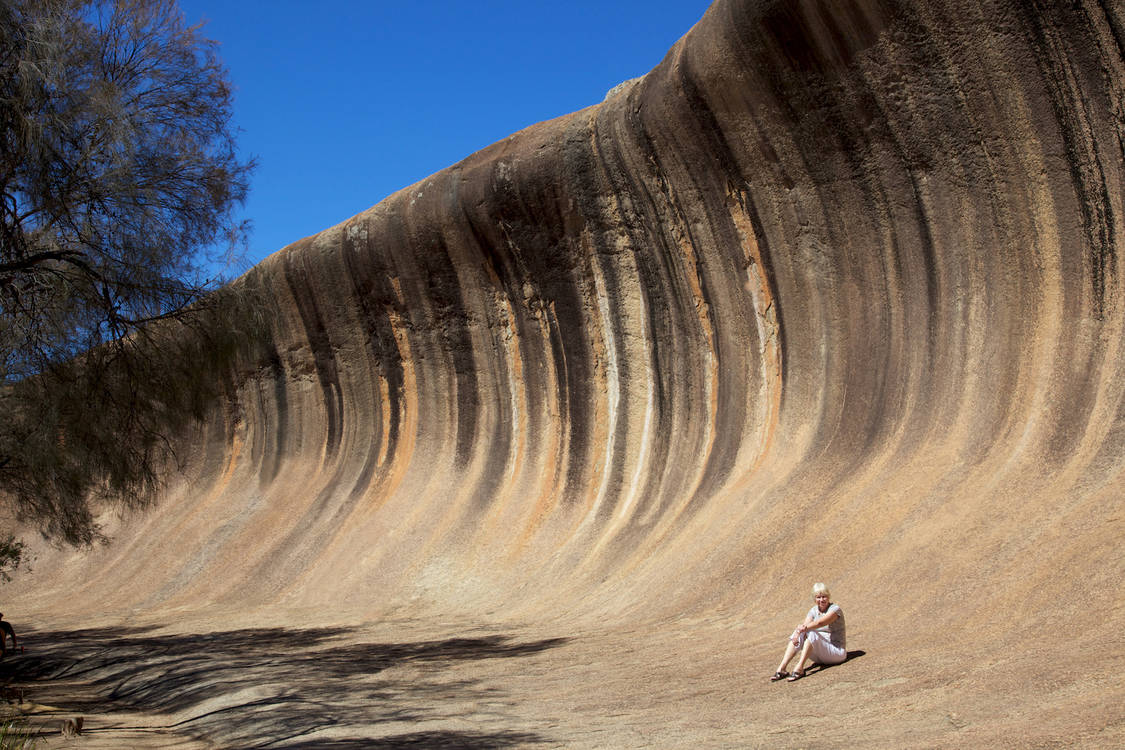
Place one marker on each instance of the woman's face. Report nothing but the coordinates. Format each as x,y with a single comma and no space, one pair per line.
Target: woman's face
822,602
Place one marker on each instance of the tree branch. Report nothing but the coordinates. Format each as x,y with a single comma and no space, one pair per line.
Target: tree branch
72,257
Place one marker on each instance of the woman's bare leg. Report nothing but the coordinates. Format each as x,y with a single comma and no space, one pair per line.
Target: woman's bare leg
790,649
803,656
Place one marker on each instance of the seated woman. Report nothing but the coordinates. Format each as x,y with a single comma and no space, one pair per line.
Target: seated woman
820,637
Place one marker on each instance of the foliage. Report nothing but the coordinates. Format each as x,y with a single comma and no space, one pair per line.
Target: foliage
16,735
11,556
118,169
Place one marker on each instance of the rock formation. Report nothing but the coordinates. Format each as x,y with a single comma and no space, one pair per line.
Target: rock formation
834,292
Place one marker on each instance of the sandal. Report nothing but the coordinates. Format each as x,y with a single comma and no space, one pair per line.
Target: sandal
796,675
779,676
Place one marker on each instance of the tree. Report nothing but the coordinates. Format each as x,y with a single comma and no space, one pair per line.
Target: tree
118,170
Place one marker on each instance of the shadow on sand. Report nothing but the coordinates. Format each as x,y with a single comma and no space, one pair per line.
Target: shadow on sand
818,668
274,687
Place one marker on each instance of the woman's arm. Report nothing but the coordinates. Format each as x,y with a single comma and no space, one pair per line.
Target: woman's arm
812,623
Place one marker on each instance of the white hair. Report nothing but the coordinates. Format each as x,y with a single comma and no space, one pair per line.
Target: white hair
820,588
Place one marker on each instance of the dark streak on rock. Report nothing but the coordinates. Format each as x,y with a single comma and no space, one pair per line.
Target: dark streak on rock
1044,27
316,333
374,298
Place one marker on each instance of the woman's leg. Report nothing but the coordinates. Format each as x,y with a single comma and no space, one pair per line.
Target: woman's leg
819,650
804,655
825,653
790,649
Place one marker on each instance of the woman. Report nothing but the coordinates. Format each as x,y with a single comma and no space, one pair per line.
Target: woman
820,637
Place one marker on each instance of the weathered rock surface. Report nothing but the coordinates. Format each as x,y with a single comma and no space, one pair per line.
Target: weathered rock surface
834,293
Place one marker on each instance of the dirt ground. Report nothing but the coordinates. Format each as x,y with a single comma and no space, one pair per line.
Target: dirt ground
411,683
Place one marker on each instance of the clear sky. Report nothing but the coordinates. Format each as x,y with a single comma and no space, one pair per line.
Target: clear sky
346,102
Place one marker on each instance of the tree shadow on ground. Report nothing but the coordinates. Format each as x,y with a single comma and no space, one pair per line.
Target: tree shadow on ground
276,686
427,740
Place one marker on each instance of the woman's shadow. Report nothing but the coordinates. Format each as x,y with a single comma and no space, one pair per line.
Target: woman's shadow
818,668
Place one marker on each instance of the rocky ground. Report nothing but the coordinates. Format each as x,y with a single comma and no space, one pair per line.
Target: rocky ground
429,684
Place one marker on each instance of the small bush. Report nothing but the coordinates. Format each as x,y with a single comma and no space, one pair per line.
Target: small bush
16,735
11,557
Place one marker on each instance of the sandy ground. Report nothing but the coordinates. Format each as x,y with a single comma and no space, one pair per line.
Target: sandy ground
427,684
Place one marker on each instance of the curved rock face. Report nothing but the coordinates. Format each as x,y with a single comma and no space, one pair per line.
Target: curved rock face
834,292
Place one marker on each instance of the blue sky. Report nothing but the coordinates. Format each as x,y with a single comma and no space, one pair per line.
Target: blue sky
344,103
